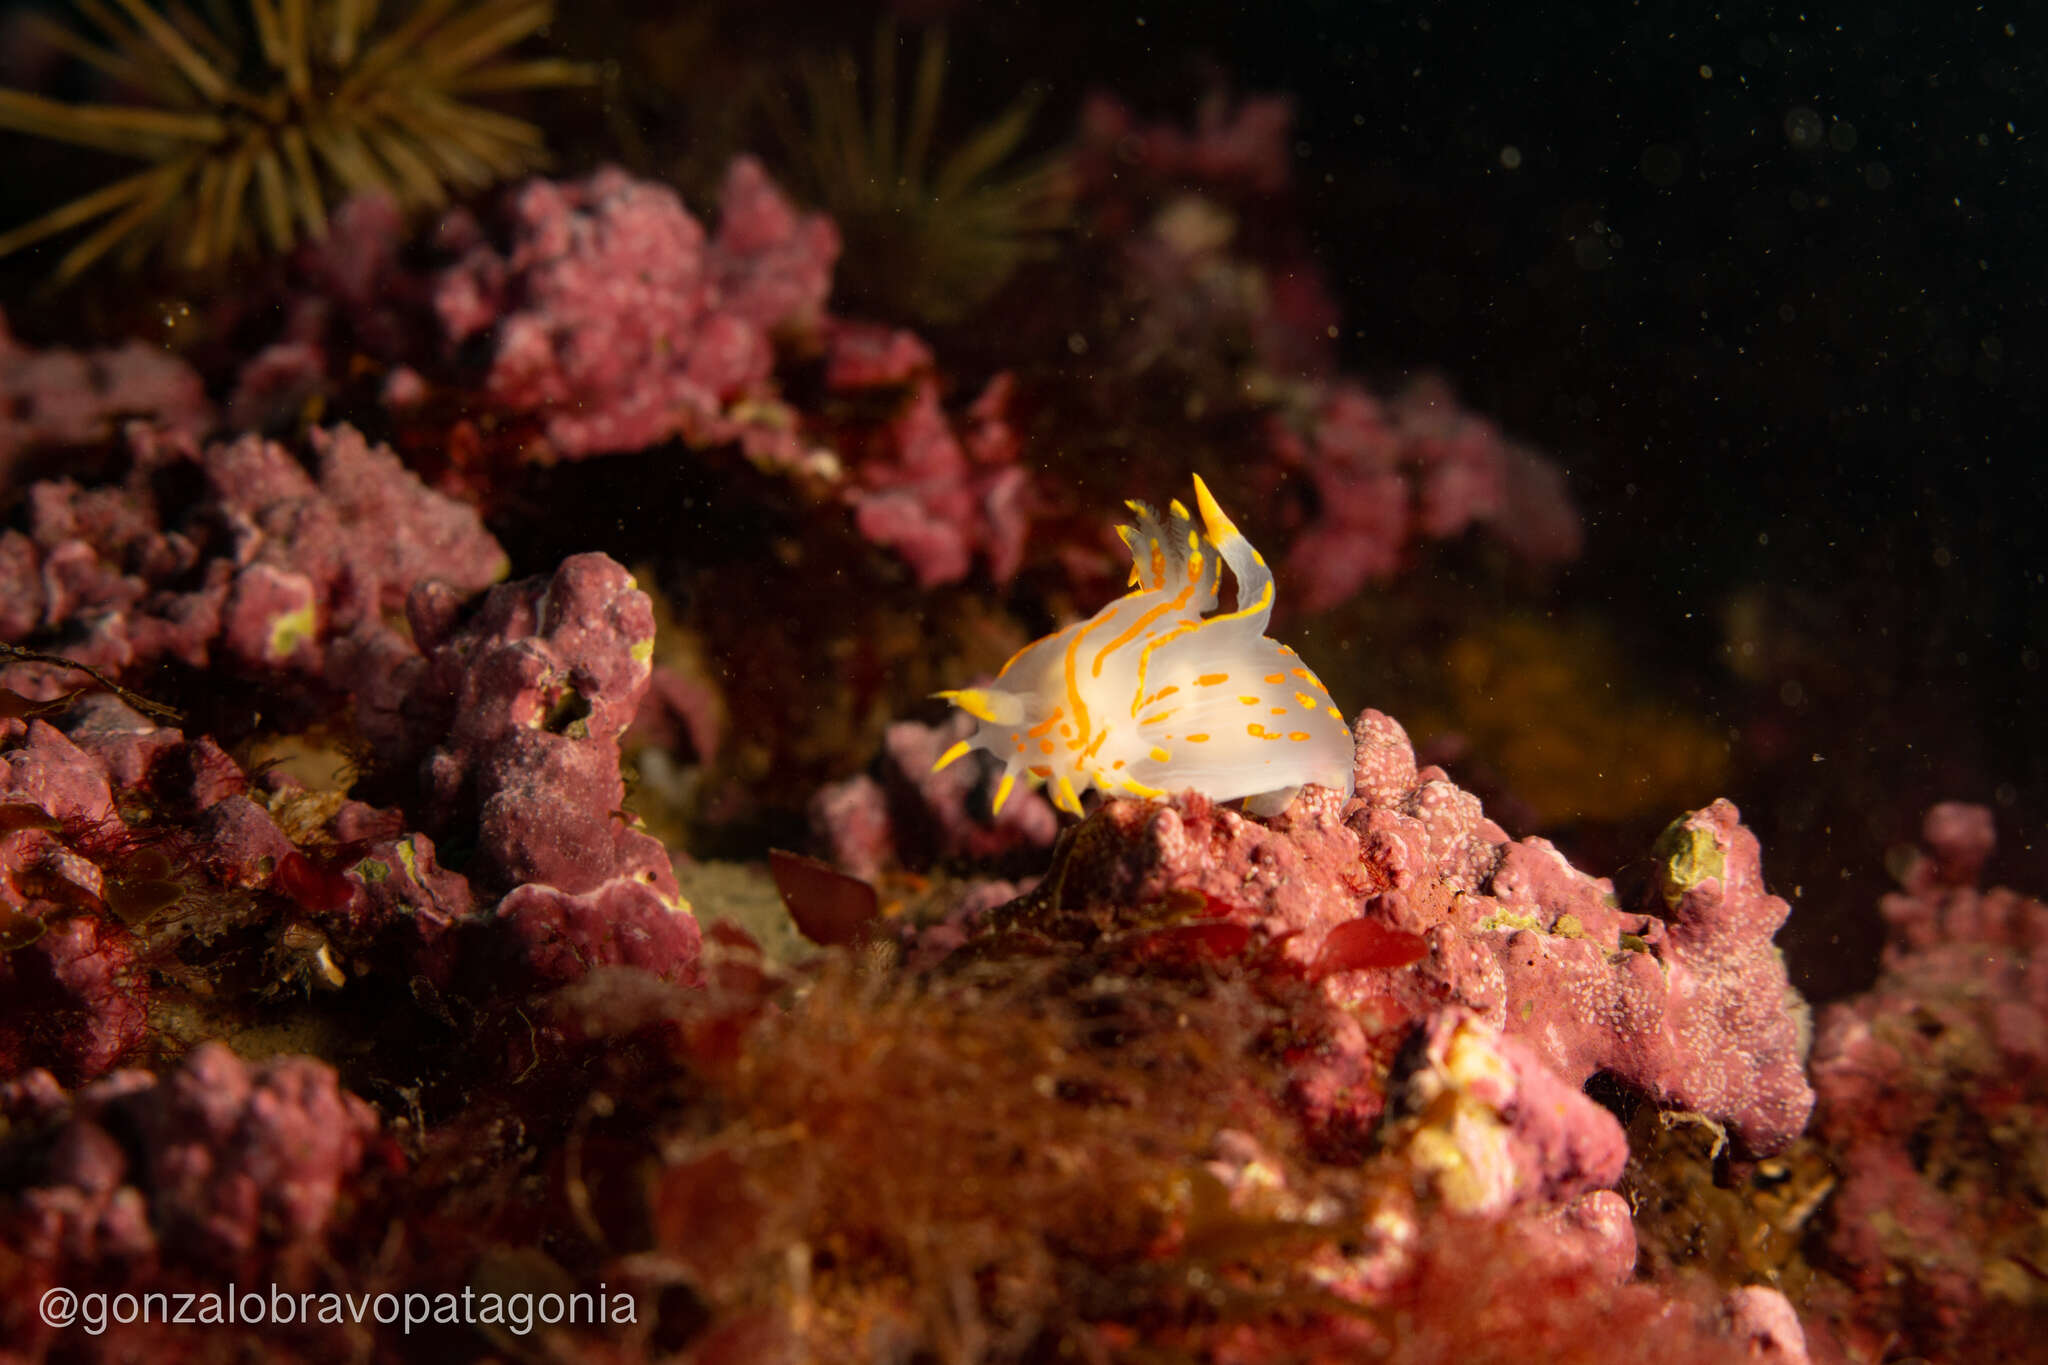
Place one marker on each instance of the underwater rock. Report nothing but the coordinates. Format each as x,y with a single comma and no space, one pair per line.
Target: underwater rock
1693,1010
613,318
90,904
939,494
215,1170
260,562
914,817
1933,1100
1388,472
1493,1126
528,698
1244,144
71,998
56,400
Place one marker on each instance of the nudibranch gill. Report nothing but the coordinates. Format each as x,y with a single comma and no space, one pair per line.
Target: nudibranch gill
1155,694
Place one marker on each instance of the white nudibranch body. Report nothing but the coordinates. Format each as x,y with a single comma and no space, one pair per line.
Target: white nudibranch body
1153,694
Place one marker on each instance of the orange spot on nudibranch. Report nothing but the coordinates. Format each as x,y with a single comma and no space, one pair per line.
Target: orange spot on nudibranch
1045,746
1249,701
1195,739
1276,678
1298,735
1308,703
1211,679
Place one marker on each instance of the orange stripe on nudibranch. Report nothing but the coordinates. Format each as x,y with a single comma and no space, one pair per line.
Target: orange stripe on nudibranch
1145,658
1045,726
1073,686
1265,601
1139,627
1198,739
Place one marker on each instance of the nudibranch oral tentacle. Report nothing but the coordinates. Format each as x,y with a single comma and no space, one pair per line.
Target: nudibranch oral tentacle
1160,691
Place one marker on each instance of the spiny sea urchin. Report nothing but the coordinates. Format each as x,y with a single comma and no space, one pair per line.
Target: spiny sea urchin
933,241
257,120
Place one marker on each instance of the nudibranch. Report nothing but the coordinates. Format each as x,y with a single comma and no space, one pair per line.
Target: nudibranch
1155,694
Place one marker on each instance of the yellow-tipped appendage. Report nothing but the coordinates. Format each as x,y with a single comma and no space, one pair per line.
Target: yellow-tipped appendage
1220,526
996,708
953,755
1064,796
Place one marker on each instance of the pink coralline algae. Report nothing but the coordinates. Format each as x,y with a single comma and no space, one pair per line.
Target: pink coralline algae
89,903
57,399
1690,1007
915,818
1933,1094
516,713
936,492
524,703
1243,145
1216,282
260,563
214,1170
1387,473
615,319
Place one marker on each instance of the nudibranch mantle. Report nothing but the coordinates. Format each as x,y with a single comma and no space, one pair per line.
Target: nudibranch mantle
1154,694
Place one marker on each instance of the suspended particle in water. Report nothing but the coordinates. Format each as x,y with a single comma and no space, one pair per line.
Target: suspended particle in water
1804,129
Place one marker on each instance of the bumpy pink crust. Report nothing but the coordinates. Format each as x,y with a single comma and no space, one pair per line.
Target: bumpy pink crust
1387,473
614,319
265,567
1933,1093
936,492
215,1170
516,716
530,696
55,399
76,998
1693,1010
914,817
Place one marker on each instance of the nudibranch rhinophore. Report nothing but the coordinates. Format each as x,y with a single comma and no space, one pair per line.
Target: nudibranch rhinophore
1152,694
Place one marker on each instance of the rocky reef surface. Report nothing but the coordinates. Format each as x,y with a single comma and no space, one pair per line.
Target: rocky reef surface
344,952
